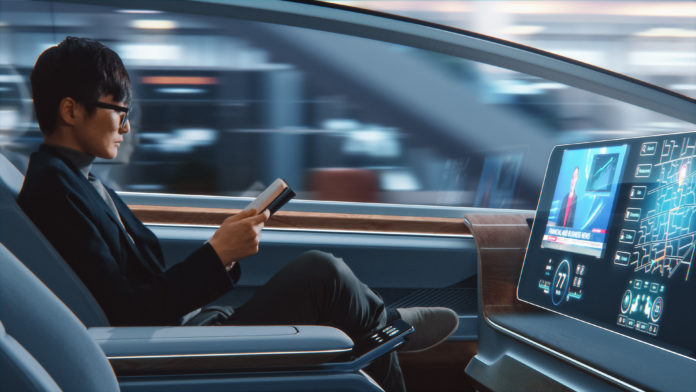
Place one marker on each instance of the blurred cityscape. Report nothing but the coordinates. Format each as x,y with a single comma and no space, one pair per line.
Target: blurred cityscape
224,106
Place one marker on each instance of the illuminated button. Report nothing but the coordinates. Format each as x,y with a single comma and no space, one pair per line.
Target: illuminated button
652,329
643,171
580,269
622,258
627,236
637,192
654,287
656,310
577,281
630,323
632,214
641,326
621,321
648,148
637,283
575,294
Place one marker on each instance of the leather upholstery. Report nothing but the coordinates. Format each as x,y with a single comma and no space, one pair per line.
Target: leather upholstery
19,234
49,331
19,370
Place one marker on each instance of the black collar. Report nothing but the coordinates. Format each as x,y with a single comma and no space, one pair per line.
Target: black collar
82,161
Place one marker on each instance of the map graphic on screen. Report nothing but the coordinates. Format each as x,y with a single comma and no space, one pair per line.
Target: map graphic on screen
667,235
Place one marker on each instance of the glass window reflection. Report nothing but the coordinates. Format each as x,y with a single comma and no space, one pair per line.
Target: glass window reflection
223,107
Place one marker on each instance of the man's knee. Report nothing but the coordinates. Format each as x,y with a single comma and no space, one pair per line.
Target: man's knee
318,264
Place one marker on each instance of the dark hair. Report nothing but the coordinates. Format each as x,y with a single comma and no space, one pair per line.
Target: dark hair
79,68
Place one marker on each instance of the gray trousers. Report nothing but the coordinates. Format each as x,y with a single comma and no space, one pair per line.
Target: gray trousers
319,288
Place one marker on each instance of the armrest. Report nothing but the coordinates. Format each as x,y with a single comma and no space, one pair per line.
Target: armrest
138,350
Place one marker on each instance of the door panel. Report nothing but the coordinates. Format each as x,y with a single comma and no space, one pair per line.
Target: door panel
381,260
407,270
408,258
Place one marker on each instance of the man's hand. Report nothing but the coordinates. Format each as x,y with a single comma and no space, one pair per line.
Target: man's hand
238,236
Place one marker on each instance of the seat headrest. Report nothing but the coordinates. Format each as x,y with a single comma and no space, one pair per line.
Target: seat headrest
10,177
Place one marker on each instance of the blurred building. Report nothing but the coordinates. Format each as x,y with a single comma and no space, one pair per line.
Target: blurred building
224,106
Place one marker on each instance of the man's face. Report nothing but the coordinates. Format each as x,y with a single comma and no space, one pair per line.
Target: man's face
100,133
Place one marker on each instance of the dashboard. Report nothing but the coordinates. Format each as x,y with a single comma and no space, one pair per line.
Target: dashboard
614,237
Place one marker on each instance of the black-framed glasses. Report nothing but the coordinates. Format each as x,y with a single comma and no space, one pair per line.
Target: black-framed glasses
121,109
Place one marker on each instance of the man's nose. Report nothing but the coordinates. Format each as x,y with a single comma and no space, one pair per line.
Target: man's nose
125,128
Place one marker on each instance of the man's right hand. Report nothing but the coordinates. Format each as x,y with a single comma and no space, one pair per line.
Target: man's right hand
239,236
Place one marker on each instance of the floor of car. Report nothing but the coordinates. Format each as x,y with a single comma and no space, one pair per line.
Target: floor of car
440,368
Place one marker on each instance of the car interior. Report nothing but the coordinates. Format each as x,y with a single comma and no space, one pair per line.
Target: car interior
567,256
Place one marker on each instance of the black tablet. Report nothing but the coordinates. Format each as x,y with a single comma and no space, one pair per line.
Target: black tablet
614,237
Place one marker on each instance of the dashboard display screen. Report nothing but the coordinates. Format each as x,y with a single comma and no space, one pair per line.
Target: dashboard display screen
614,239
585,189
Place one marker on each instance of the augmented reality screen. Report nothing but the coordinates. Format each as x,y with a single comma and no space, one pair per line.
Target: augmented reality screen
614,238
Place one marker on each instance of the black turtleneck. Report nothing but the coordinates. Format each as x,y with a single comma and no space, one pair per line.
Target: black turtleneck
83,162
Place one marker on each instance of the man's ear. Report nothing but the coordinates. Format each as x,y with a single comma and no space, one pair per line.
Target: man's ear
68,111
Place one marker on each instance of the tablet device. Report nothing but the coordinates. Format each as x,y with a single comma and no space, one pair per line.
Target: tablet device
273,197
614,238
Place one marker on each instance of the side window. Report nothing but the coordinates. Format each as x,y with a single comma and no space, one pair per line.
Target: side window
224,106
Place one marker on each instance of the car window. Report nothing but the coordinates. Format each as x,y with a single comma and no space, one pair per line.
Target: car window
652,40
224,106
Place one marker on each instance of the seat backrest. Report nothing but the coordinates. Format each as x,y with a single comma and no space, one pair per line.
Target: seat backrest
49,331
12,178
20,235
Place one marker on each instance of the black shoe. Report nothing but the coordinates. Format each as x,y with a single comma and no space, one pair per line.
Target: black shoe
432,326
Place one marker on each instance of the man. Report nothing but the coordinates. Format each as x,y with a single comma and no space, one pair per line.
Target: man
566,214
82,94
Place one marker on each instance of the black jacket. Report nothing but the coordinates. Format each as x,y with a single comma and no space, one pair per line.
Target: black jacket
127,277
570,221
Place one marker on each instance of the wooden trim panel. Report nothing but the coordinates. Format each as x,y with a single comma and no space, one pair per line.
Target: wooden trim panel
306,220
501,242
